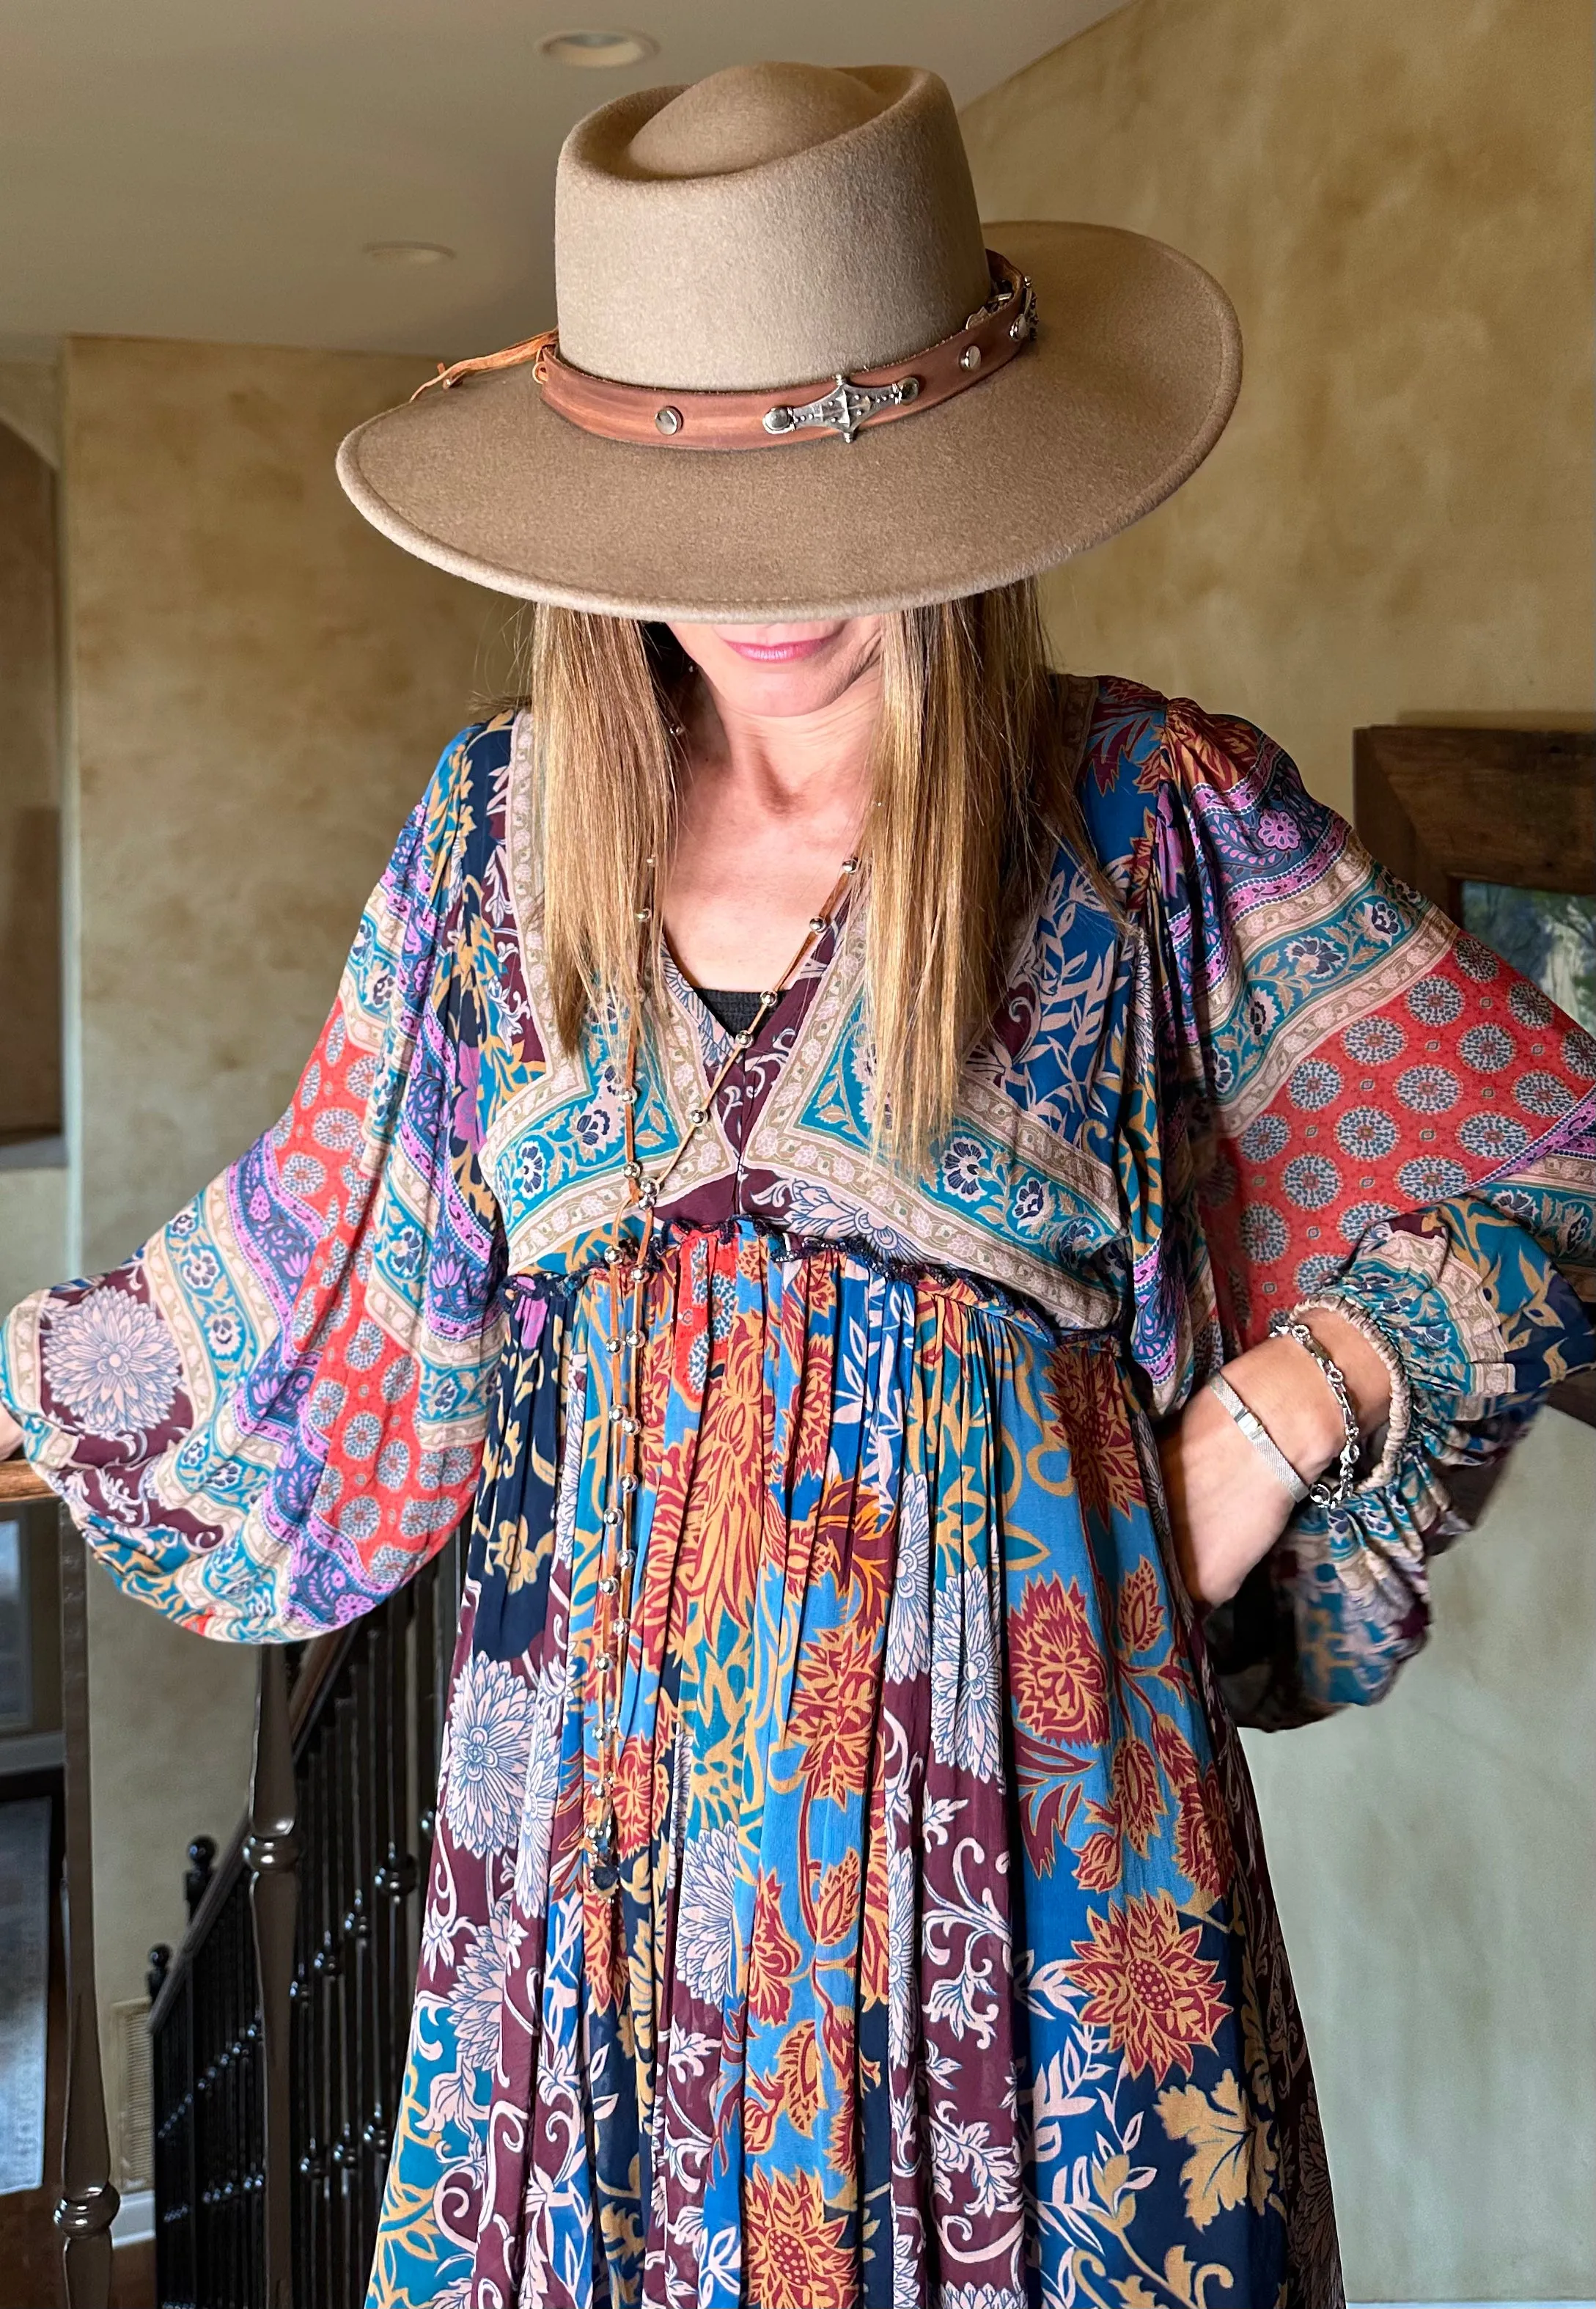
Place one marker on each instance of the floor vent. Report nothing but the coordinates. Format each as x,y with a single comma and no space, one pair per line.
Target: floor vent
135,2094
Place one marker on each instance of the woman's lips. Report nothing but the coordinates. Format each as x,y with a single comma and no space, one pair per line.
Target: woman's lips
777,652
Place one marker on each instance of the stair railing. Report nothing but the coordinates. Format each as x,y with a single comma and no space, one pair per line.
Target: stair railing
279,2028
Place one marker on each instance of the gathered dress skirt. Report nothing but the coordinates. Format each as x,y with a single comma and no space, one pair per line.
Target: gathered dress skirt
935,1962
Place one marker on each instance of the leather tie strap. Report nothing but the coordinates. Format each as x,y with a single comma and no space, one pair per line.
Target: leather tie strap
837,407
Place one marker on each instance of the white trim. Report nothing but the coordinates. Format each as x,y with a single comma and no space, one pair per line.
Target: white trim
136,2218
1471,2304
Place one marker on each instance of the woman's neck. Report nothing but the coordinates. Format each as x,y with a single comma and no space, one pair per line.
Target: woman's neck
782,765
769,808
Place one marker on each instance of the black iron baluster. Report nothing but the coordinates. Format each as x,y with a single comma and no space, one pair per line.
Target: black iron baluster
87,2202
300,1995
272,1854
396,1882
204,2129
318,2162
427,1702
228,2031
191,2138
374,2133
356,1925
340,1877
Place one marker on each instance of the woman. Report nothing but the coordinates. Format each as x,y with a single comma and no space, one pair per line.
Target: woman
818,1109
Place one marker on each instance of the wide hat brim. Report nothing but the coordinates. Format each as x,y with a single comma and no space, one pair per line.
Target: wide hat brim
1133,370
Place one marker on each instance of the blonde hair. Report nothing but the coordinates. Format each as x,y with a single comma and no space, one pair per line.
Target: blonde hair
970,788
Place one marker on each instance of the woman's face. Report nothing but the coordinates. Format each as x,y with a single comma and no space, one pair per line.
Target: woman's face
780,670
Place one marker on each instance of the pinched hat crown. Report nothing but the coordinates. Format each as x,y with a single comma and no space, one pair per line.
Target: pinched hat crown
773,223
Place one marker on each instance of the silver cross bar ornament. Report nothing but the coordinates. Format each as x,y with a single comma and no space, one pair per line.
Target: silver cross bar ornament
846,407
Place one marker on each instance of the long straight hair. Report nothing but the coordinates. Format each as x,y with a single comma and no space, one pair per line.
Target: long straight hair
968,790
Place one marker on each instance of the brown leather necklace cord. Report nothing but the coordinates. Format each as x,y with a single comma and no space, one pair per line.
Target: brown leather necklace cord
624,1318
658,417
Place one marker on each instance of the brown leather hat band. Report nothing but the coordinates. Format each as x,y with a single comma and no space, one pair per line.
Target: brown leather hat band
825,409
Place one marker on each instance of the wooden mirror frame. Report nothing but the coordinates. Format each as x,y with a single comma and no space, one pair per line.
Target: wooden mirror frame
1446,805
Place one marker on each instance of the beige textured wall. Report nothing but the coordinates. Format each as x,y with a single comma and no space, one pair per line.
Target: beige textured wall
30,815
1397,525
1398,198
1436,1864
33,1231
29,403
258,686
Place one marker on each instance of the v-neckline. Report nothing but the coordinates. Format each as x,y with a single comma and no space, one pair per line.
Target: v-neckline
748,1088
697,1009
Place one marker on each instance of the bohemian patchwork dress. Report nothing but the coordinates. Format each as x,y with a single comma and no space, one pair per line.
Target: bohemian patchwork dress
937,1961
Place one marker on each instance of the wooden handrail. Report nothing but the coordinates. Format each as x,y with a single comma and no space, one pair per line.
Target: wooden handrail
19,1481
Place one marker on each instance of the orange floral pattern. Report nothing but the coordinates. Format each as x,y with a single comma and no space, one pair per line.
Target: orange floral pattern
1056,1668
1136,1792
773,1957
1141,1617
1144,1982
796,2253
833,1717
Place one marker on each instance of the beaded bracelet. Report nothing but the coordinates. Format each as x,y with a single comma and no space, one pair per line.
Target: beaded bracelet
1330,1490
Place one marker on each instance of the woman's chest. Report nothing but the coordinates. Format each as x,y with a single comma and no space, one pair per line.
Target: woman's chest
1022,1190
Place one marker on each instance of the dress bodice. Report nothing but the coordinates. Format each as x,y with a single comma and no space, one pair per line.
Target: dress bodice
1023,1191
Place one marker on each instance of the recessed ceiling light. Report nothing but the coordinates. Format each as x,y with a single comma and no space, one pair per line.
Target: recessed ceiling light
407,252
597,51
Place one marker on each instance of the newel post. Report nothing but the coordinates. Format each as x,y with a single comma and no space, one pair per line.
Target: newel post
88,2202
271,1853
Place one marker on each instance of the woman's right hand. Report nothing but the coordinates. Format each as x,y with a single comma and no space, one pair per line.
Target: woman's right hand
11,1435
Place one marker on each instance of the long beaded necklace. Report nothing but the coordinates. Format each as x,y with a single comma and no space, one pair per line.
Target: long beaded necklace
627,1264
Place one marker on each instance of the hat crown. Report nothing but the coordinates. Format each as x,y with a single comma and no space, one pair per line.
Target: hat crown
751,114
769,225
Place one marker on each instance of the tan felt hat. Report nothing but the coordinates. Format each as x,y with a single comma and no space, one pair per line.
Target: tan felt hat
794,377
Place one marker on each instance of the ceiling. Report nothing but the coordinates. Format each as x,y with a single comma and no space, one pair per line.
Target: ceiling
182,169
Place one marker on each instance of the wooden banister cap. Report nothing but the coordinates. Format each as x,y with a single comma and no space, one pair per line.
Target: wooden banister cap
19,1481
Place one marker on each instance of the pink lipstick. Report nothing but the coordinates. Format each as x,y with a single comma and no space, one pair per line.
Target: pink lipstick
778,653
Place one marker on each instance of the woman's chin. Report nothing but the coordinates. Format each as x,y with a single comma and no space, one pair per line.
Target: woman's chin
783,671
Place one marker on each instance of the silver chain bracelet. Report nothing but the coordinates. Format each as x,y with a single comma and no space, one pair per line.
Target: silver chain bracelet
1332,1488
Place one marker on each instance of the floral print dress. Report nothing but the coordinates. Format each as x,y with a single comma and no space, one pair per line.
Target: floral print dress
937,1961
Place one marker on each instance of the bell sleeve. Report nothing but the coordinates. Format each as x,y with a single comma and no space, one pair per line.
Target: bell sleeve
1332,1094
272,1413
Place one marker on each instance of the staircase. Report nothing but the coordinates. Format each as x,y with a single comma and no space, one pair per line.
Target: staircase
278,2027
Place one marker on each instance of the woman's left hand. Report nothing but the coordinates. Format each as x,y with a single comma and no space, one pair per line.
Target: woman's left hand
1226,1508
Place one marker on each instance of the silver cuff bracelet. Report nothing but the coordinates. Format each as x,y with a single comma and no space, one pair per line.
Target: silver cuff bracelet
1261,1440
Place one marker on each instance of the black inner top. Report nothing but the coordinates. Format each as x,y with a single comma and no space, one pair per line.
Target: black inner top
734,1009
